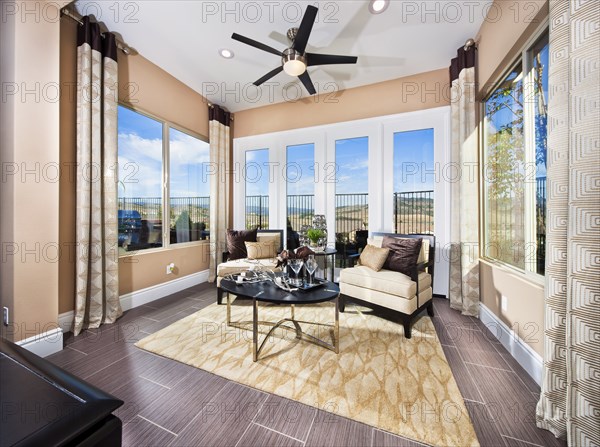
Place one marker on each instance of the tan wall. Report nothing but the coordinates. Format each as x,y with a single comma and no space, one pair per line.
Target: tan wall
145,86
148,88
524,305
68,156
30,140
510,23
499,44
143,270
418,92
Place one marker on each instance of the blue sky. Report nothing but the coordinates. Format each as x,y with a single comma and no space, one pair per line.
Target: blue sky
413,161
506,114
300,169
352,161
140,159
256,172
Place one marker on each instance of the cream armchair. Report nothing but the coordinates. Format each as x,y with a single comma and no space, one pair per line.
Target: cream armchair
406,295
236,266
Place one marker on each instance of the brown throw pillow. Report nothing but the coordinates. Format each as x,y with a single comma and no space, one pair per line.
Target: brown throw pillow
236,242
373,257
404,253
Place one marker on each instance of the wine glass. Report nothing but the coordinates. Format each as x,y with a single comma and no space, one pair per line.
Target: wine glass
296,265
311,265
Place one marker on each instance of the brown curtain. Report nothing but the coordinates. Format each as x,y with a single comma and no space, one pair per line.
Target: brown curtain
464,229
96,266
569,403
220,149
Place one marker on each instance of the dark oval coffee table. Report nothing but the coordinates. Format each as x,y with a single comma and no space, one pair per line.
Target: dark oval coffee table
268,292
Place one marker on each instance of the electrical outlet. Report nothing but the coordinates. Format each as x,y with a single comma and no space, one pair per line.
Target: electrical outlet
5,318
503,303
170,268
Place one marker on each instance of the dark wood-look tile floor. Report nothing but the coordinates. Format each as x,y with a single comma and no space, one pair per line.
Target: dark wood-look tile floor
169,403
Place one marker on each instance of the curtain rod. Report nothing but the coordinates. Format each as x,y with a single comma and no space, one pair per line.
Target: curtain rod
76,17
470,43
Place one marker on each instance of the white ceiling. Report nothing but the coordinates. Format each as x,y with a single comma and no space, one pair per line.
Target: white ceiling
183,38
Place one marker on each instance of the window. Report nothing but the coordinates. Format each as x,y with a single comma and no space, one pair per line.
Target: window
300,181
146,146
351,189
514,174
413,181
189,197
256,174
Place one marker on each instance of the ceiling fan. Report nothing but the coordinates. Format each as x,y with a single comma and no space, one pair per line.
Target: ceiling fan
294,59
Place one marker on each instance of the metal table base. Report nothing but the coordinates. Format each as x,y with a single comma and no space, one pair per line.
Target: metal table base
256,348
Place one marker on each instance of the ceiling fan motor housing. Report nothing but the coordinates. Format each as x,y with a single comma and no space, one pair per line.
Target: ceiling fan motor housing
291,34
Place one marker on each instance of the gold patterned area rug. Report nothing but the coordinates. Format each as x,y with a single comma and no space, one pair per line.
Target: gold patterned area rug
379,377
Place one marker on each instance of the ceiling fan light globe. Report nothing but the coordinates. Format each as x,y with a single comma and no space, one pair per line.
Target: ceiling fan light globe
294,63
378,6
294,67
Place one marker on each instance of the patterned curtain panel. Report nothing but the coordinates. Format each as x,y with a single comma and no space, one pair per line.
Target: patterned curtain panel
569,404
96,267
464,230
219,122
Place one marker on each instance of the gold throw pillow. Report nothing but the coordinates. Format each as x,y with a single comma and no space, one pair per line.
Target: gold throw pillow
374,257
261,250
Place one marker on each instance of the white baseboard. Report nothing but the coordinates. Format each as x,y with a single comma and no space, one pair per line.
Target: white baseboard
45,343
149,294
530,360
145,296
65,320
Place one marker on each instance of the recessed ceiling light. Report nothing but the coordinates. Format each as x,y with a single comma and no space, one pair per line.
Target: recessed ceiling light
378,6
227,54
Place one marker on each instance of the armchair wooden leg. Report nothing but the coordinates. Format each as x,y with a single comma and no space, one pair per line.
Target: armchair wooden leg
342,303
430,308
219,295
406,322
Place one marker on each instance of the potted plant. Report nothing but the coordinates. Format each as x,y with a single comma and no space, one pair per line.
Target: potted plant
315,236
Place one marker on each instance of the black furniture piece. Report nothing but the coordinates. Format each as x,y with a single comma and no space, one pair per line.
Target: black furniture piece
428,266
43,405
268,292
327,252
225,258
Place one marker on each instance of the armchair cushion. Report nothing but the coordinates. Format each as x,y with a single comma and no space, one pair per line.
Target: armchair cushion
374,257
235,242
403,254
241,265
385,281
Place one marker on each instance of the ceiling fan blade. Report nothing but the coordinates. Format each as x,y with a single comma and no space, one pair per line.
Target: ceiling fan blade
255,44
305,28
305,78
329,59
268,76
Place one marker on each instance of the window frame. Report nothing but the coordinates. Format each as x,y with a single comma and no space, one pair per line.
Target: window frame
165,181
525,58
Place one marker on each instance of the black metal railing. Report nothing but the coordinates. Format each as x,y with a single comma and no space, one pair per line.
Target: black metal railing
257,212
413,212
150,208
351,212
540,212
300,210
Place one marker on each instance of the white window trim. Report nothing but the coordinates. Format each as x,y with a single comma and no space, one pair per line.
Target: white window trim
380,132
525,58
165,190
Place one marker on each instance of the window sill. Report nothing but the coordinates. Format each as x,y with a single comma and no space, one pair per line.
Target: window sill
171,247
530,277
